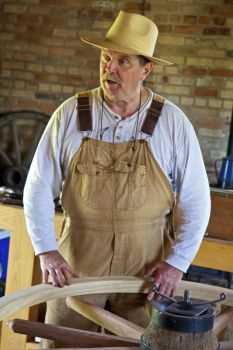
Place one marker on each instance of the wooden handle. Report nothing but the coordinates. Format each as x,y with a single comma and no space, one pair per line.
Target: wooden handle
37,294
73,337
104,318
222,320
92,285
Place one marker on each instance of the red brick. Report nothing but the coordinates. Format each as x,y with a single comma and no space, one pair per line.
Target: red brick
27,38
48,107
27,103
227,11
14,8
9,102
7,36
52,41
164,28
6,83
69,79
175,18
46,77
60,51
24,56
217,31
89,53
161,18
209,123
53,2
188,30
39,10
7,17
92,13
219,21
204,20
194,71
132,6
228,2
79,3
202,91
94,64
57,21
11,27
221,73
28,18
42,30
190,19
92,82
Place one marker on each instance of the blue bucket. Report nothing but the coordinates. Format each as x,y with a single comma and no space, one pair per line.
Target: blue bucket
4,251
225,179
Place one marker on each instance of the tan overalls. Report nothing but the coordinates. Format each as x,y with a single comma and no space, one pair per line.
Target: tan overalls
118,206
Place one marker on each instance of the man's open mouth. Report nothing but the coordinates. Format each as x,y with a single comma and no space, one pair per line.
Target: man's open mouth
110,79
111,82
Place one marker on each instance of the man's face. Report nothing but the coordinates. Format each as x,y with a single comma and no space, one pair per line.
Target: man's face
121,75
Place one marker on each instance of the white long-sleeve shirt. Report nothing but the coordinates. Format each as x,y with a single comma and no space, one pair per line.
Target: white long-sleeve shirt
173,144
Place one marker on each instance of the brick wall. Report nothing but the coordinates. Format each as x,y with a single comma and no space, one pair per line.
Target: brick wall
44,62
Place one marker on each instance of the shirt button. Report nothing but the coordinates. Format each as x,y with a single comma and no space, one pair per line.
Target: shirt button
116,117
120,127
118,137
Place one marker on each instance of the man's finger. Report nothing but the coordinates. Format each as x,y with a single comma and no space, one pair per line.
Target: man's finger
68,274
151,294
60,277
54,278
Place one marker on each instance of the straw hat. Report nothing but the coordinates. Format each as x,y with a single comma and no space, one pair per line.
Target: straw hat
130,33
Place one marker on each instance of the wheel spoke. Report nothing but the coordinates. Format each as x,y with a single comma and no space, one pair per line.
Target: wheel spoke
16,142
5,158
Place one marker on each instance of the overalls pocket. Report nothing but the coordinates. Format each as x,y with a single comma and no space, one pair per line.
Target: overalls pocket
122,186
94,185
130,185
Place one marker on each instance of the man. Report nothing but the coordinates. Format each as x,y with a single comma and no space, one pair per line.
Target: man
121,157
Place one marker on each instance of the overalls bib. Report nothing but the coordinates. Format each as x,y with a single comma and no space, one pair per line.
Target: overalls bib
117,204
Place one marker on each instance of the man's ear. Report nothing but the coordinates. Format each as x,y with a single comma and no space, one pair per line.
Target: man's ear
147,69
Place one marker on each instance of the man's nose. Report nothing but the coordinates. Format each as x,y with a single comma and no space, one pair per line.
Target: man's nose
111,66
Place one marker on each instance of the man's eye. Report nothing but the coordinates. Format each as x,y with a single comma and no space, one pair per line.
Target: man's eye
123,61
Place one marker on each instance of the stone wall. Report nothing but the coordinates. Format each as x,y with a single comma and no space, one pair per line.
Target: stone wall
43,61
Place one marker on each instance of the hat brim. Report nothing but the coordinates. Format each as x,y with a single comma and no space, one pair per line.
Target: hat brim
110,45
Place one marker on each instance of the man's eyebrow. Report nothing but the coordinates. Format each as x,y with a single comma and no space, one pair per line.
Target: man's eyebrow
125,57
122,56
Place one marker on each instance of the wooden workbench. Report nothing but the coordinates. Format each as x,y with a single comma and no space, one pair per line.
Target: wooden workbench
216,252
23,268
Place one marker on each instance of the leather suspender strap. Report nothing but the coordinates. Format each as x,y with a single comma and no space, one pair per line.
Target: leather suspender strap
153,114
84,119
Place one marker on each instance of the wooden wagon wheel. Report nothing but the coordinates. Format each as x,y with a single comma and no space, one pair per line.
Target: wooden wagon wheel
20,132
40,293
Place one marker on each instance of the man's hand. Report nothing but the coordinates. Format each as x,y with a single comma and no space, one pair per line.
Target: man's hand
167,279
55,269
